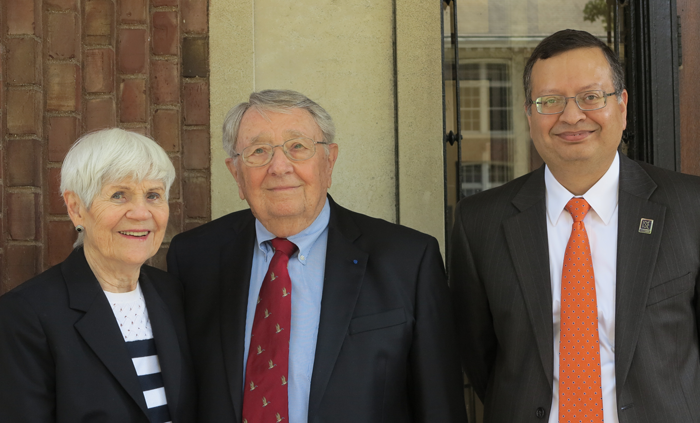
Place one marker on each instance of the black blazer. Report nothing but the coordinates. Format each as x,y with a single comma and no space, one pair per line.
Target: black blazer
386,350
63,357
501,287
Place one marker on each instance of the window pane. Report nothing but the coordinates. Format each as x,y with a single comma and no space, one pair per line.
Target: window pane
500,119
500,96
497,72
469,72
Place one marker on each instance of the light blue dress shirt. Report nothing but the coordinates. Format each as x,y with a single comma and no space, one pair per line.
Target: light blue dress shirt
306,269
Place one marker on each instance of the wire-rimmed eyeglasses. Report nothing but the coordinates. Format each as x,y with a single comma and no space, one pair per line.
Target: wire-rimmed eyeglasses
586,101
296,150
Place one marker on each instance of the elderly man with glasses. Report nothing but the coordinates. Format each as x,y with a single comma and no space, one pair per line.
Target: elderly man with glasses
576,287
300,310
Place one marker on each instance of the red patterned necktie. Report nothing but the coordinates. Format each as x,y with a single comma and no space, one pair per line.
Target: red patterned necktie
265,394
580,393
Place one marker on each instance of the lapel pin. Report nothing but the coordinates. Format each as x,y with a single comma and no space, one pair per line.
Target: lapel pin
645,226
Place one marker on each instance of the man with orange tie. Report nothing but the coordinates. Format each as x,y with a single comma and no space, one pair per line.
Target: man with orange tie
575,287
299,310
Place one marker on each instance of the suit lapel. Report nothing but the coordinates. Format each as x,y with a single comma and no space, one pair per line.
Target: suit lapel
236,262
526,235
167,345
345,269
98,327
636,259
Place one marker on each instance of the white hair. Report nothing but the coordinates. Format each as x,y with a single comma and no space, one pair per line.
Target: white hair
109,156
280,101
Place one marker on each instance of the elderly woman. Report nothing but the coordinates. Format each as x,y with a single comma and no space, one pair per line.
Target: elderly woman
101,337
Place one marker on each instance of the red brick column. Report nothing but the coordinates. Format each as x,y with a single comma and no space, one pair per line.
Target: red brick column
72,66
62,119
23,99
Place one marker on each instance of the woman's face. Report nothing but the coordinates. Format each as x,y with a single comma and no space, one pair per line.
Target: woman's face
126,223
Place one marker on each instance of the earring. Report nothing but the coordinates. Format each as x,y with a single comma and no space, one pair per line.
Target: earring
79,228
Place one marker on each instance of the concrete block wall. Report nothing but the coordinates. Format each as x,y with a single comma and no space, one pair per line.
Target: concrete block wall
72,66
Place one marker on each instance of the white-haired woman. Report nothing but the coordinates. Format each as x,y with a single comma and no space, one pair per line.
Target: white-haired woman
101,336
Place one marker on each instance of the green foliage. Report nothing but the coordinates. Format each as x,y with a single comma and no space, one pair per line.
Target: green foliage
597,9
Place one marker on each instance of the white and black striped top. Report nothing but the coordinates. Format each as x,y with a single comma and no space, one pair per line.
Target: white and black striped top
132,316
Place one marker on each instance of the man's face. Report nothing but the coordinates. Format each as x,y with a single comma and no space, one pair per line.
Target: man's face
576,139
283,192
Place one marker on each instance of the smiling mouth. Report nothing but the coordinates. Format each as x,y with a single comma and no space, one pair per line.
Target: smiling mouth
135,233
283,188
574,135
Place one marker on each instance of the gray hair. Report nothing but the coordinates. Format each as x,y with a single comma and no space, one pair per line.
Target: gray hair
109,156
279,101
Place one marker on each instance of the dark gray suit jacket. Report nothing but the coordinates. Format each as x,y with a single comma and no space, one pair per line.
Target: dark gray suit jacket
386,349
499,276
63,358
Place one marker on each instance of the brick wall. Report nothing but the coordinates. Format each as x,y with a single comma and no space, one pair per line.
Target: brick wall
72,66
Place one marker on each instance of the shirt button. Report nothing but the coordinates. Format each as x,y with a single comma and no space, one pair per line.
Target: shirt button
540,413
302,257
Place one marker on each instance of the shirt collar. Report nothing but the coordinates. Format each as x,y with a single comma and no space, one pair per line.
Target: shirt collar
602,196
304,240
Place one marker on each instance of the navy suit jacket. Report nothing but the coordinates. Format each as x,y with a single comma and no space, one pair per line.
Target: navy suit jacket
63,358
386,350
501,288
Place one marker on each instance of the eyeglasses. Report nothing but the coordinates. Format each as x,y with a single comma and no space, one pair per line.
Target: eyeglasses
586,101
296,150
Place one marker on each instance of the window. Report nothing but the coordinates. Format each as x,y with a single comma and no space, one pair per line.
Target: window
487,125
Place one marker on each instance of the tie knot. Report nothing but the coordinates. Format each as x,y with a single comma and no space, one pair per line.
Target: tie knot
578,207
284,246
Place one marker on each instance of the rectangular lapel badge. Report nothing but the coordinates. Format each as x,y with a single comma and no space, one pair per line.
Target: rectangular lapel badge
645,226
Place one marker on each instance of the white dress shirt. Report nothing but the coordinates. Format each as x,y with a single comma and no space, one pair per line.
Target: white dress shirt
601,226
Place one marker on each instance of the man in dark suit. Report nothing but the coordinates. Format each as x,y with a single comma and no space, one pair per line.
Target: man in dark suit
369,336
511,263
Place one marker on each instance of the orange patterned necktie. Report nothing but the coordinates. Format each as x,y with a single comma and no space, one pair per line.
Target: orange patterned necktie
580,393
265,396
